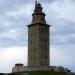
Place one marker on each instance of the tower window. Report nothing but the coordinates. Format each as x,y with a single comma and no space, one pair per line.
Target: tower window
46,39
41,30
34,49
45,57
34,58
30,34
41,39
41,64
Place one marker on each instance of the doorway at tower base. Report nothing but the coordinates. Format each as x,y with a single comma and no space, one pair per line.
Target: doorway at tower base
21,68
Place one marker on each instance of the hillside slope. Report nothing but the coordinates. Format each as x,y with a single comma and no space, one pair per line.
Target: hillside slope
39,73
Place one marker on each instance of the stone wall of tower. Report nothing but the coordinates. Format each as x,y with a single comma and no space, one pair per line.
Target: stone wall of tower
38,39
43,45
33,36
38,45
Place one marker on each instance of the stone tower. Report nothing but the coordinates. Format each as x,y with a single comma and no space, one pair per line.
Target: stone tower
38,45
38,39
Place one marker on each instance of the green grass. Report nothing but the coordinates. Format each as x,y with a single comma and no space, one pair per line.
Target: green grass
40,73
47,73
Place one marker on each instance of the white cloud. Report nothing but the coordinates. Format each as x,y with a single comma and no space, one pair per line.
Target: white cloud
24,10
1,1
59,39
63,56
65,9
63,39
12,55
13,33
4,20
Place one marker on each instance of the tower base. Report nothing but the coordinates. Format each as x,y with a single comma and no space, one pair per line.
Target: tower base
21,68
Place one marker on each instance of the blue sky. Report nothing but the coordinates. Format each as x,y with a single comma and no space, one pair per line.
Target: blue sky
15,15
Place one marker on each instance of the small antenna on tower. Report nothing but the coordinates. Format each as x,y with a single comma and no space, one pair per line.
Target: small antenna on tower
35,2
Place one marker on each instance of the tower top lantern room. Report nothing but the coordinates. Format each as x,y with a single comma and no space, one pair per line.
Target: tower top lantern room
38,16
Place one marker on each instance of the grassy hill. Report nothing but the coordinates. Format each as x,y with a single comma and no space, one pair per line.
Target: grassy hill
47,73
39,73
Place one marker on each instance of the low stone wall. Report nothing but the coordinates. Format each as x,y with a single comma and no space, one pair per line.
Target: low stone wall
50,68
